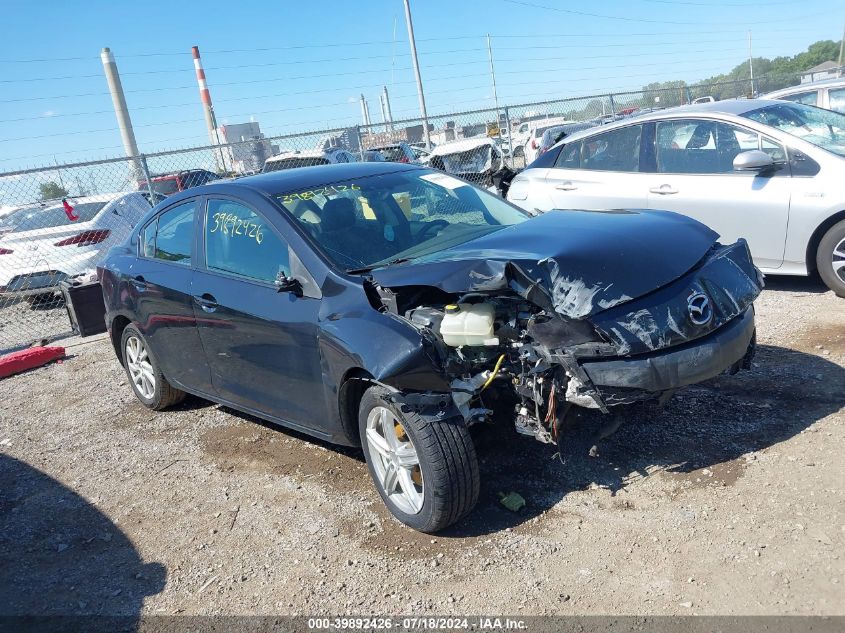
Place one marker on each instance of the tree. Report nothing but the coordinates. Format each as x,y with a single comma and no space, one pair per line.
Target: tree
51,190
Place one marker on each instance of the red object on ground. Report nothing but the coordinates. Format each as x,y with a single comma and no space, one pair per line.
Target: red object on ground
31,358
69,211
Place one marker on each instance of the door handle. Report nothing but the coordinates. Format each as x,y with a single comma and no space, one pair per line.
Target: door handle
139,282
663,190
566,186
207,302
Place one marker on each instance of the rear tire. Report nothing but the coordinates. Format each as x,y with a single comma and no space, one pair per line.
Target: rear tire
427,471
145,377
830,258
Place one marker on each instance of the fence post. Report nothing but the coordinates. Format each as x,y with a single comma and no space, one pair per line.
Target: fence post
612,104
142,159
510,134
360,143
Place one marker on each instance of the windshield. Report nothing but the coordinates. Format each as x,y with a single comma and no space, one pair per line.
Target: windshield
291,163
823,128
31,218
474,161
374,220
165,186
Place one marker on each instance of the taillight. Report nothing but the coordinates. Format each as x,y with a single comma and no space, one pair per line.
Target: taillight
533,143
6,251
86,238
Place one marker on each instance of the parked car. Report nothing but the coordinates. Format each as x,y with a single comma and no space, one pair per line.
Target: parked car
557,133
768,171
308,158
828,94
415,306
40,245
397,153
372,156
168,184
535,132
475,159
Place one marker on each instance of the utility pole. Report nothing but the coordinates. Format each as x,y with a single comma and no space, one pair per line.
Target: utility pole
420,92
387,106
841,53
208,109
127,134
750,63
493,75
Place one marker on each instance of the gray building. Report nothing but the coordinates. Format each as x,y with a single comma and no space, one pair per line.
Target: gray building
246,148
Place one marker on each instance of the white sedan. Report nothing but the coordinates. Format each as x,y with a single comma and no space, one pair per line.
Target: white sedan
768,171
41,245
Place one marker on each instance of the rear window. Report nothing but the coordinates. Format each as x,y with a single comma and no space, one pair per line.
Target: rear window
166,186
32,218
290,163
393,154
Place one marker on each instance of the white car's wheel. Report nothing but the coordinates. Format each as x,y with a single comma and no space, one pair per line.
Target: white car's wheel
830,258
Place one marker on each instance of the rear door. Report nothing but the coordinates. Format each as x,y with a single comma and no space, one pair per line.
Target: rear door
261,344
601,171
159,285
695,177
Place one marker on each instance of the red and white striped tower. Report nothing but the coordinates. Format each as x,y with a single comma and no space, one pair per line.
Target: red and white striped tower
208,109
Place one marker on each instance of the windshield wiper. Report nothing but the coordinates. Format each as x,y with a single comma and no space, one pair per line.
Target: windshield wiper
366,269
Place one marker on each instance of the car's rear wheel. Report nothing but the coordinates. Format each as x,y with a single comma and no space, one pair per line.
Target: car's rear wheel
145,377
830,258
425,470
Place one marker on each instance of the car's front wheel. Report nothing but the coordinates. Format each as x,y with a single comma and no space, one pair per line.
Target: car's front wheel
148,383
425,470
830,258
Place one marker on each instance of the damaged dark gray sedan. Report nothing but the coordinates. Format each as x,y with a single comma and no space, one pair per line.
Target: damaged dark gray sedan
394,306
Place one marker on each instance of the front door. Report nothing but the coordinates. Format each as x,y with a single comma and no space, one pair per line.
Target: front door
261,344
695,177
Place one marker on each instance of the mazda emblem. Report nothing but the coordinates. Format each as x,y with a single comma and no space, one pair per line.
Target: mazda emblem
698,306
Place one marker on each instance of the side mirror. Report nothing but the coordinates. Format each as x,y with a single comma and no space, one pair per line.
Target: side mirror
288,284
753,160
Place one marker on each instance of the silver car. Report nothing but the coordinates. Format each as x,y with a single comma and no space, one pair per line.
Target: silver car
768,171
828,93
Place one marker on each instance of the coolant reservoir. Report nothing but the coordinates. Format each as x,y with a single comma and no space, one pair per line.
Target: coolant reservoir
468,324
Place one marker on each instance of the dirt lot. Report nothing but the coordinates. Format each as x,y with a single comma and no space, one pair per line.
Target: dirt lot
728,501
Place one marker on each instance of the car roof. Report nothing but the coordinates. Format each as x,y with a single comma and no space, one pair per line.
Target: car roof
734,107
813,85
462,145
298,178
304,153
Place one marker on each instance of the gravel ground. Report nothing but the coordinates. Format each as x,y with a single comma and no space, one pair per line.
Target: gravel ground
727,501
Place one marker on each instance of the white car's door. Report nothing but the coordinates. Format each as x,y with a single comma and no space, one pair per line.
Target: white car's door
599,172
695,177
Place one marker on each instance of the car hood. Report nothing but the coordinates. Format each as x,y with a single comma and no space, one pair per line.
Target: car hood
577,263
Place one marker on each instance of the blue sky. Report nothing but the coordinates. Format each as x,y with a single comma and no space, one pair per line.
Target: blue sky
297,66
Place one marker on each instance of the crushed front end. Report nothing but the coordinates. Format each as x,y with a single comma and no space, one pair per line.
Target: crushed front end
527,341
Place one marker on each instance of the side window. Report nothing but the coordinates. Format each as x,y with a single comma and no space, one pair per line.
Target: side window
174,241
570,156
340,157
617,150
807,98
239,241
773,149
148,239
703,147
836,96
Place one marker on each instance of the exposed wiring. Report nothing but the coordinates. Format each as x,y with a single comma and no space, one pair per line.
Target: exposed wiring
495,373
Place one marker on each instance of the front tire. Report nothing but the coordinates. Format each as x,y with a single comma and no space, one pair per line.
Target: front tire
425,470
145,377
830,258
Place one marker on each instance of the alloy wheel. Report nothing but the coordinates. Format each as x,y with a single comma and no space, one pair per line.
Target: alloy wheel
395,460
139,366
839,260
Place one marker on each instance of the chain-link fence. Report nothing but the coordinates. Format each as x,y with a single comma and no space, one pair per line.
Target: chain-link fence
57,222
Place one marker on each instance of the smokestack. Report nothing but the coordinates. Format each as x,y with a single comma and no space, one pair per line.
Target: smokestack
127,134
364,114
383,111
208,109
387,106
